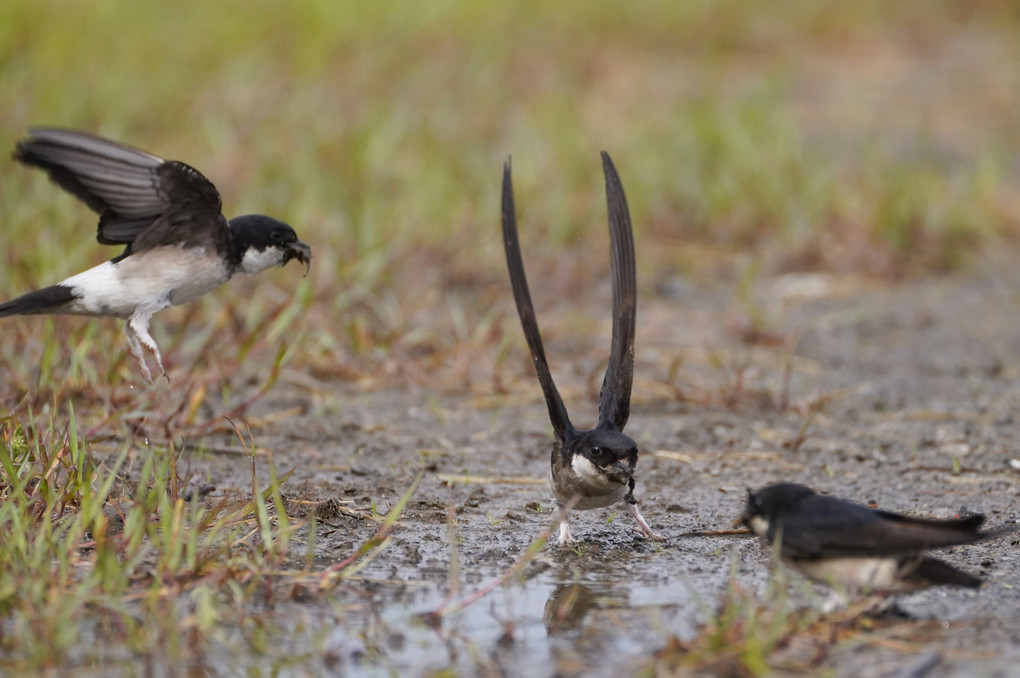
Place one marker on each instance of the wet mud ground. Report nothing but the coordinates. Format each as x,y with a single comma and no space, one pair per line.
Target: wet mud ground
904,395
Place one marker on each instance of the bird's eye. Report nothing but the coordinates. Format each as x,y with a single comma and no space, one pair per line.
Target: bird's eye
596,451
276,236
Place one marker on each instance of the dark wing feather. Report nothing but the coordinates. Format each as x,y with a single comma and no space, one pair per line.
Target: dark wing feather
526,310
614,404
116,181
969,524
192,214
831,527
129,188
102,174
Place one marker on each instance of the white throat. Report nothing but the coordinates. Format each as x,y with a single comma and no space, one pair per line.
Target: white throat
590,475
255,261
759,526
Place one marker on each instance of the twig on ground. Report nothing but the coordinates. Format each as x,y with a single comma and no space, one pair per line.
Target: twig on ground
716,533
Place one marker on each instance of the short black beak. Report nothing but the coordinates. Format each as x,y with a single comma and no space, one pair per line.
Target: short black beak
302,252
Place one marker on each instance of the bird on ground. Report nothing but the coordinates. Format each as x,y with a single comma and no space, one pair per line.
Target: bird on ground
857,549
589,468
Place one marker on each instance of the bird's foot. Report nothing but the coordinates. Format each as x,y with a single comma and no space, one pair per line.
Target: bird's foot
565,536
145,369
154,350
136,350
137,331
643,526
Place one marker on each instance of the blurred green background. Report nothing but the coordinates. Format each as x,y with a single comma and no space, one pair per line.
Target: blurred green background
869,138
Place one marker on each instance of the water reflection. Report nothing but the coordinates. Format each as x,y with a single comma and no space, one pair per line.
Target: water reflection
567,607
569,604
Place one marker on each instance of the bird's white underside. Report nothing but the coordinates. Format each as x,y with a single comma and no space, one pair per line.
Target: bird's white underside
142,284
147,282
854,574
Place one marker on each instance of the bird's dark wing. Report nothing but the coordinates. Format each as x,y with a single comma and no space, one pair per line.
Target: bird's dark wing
129,188
830,527
192,215
614,404
526,310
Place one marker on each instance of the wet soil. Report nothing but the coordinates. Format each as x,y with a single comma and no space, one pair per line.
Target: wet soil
902,395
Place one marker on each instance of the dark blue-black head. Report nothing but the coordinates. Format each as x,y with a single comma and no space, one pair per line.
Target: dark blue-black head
772,500
604,452
261,242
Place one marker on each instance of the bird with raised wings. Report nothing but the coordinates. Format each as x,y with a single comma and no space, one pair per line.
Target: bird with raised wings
589,468
166,215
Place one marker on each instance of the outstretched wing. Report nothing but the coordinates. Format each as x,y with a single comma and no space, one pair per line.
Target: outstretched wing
614,403
526,310
129,188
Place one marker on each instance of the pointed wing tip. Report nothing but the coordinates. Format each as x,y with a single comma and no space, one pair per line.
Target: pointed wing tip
44,133
614,186
67,137
507,181
508,197
609,169
22,147
607,162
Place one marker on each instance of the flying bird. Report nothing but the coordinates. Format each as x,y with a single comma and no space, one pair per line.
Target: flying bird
177,243
856,548
591,468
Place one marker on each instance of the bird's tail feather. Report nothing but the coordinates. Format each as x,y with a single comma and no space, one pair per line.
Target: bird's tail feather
50,299
938,572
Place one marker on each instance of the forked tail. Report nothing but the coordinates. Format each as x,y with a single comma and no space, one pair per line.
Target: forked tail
938,572
52,299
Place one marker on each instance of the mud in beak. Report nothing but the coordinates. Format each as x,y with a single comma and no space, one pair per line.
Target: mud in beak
620,472
302,252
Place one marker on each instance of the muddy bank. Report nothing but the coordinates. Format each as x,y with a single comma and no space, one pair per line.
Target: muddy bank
899,395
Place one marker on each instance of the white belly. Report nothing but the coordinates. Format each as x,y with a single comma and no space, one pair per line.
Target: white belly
146,282
855,574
